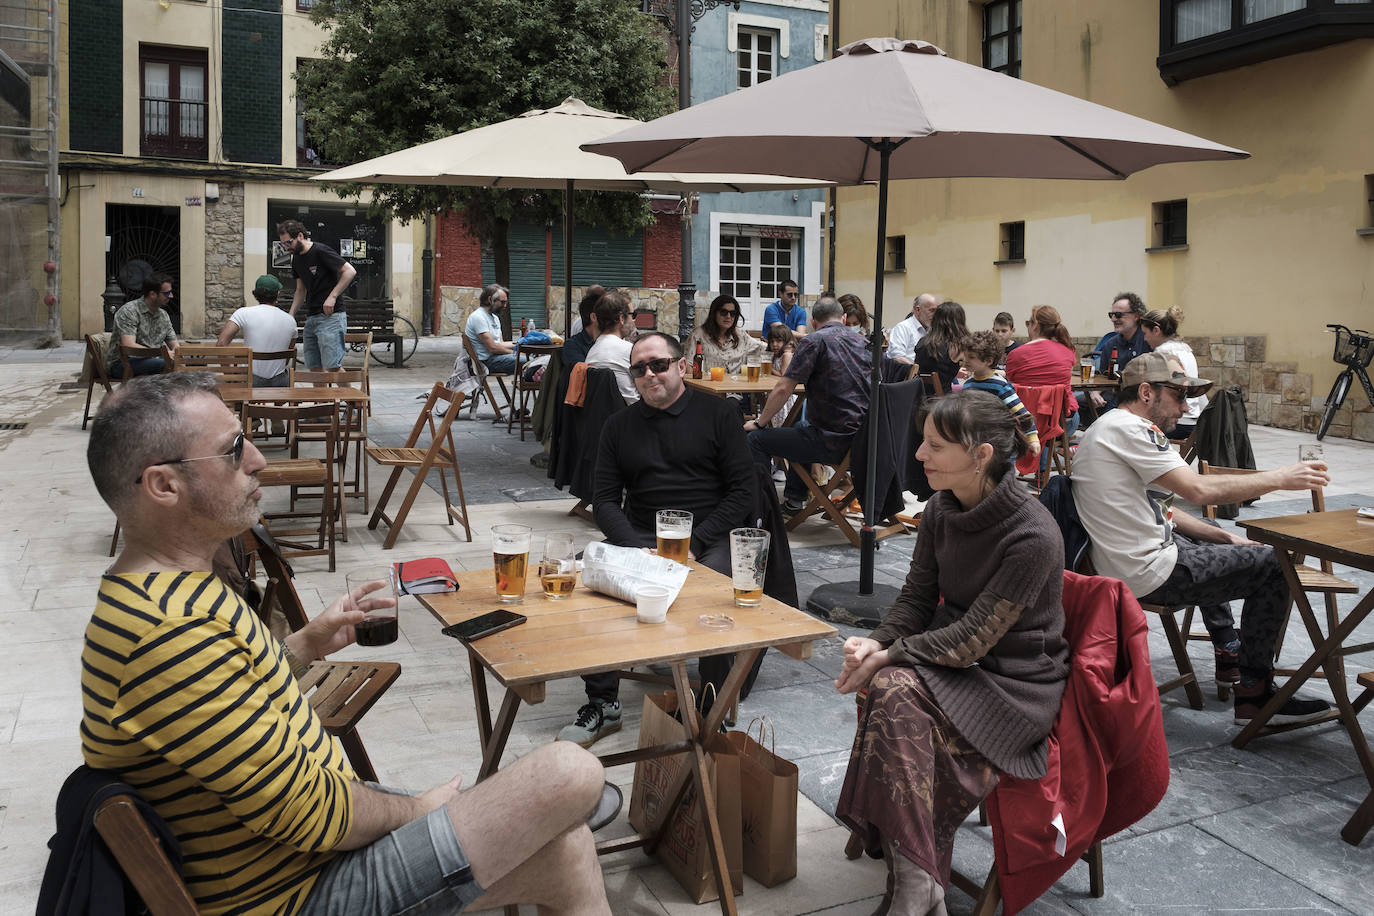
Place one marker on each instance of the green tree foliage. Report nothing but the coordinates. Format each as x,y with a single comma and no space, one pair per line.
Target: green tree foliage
397,73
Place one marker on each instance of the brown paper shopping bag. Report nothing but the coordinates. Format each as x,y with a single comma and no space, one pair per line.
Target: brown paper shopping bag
685,849
768,808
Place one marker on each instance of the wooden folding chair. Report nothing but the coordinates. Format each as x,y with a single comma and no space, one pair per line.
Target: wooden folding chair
526,391
303,472
352,427
98,375
1036,399
422,460
233,365
932,381
485,377
142,858
1320,579
288,355
340,692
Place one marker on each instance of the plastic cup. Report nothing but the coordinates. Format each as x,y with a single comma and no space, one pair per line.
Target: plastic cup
673,531
510,549
372,590
748,563
651,604
558,568
1310,451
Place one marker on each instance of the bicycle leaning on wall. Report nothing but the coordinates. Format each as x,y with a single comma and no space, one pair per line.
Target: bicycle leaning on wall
1354,350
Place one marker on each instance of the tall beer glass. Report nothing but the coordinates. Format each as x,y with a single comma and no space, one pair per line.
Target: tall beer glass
673,528
510,548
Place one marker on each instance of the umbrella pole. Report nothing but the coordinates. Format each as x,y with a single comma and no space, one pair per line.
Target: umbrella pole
567,257
868,542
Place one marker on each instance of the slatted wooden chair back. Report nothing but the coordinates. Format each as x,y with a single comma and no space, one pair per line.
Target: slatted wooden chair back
319,538
130,352
440,455
352,426
233,364
142,858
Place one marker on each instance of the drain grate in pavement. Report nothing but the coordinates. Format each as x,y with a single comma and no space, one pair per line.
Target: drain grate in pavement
13,425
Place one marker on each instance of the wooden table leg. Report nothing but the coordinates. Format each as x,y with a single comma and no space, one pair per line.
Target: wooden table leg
491,753
479,696
701,778
1355,829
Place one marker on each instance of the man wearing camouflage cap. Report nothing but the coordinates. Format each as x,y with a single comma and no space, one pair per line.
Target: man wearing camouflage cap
1125,477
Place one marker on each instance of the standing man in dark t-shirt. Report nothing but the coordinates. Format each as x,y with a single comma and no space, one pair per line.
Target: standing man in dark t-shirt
673,449
321,277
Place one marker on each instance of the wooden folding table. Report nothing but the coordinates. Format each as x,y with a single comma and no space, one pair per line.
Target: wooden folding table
1341,537
588,633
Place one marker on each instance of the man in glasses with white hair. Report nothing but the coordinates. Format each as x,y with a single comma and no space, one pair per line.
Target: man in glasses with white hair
674,448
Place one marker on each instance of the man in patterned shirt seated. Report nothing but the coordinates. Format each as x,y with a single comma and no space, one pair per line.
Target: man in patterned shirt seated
191,700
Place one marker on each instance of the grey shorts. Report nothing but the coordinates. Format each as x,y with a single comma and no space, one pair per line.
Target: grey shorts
416,870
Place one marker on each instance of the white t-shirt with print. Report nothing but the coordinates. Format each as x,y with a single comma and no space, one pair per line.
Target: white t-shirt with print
1127,519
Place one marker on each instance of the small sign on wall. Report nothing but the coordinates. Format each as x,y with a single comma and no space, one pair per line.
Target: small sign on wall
193,201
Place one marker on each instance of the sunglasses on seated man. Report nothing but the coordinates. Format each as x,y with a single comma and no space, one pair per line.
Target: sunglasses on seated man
235,453
660,366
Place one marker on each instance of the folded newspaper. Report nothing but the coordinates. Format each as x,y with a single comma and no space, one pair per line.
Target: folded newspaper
622,571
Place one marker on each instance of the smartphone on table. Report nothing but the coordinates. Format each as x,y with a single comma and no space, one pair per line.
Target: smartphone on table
484,625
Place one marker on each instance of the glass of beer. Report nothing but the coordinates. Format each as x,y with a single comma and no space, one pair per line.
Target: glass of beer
510,548
752,366
674,530
372,590
558,569
766,364
748,563
1085,369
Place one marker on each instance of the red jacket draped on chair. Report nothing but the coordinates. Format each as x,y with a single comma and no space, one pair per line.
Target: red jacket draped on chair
1109,764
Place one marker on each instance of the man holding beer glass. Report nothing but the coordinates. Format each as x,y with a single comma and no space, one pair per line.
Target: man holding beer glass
674,449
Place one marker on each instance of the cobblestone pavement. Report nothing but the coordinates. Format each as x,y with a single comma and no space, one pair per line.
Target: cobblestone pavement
1246,831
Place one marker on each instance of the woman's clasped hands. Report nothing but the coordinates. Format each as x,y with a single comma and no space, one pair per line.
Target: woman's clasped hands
863,657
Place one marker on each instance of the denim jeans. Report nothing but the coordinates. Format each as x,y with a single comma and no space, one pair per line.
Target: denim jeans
797,444
143,365
500,362
323,336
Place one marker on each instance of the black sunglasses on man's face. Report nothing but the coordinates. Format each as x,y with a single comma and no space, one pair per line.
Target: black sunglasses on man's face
659,366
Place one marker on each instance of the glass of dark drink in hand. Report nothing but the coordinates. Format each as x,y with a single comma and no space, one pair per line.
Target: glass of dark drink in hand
372,590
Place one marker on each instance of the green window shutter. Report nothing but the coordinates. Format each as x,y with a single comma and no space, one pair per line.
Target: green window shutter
527,271
601,257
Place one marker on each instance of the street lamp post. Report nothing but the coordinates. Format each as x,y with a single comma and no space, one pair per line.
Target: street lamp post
676,13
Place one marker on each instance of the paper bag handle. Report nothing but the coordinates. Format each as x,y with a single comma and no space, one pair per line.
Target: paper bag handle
764,721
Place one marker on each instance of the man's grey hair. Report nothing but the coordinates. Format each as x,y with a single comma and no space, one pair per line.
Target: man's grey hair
139,425
929,299
827,308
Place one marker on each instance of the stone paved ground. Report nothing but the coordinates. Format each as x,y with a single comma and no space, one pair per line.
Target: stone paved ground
1240,831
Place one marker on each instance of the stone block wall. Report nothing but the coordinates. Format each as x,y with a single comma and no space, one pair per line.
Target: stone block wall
1276,393
224,280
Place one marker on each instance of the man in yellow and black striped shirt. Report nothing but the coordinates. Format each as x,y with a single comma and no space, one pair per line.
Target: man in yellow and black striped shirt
188,698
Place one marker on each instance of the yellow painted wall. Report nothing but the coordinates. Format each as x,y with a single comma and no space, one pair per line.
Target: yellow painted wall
1272,243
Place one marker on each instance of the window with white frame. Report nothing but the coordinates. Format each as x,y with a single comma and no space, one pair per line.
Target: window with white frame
756,56
172,103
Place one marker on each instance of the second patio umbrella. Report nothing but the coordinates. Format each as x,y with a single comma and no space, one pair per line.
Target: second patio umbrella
542,149
886,108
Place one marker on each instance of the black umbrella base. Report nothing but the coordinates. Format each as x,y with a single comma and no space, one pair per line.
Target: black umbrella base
840,602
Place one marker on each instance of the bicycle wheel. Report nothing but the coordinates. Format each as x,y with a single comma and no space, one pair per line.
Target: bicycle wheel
1334,400
410,339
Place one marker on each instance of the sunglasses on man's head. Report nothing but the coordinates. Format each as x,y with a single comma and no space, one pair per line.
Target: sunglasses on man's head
235,453
660,366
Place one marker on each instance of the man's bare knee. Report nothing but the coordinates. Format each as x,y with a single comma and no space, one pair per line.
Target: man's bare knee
580,770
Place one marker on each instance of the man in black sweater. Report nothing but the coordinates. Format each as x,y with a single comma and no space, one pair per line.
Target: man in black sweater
673,449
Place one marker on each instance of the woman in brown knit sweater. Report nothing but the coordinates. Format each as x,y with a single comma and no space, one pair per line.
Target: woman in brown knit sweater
965,676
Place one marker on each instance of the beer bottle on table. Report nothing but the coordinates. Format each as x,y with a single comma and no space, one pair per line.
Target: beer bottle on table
1111,367
523,322
697,361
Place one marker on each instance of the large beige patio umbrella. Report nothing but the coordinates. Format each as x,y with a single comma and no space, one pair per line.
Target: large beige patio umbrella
542,149
886,108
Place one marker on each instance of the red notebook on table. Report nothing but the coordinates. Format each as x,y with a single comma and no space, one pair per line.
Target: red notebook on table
424,577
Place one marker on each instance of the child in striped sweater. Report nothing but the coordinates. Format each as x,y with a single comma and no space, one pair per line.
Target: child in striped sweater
982,351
